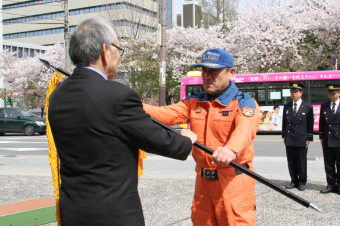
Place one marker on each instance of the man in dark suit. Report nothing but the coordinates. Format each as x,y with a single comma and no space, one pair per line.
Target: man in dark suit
297,132
329,132
98,128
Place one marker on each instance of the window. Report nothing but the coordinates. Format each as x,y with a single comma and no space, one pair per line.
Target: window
318,91
19,52
31,52
255,90
279,92
11,114
25,53
193,89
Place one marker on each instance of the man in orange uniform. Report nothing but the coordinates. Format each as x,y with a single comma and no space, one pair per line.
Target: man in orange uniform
225,120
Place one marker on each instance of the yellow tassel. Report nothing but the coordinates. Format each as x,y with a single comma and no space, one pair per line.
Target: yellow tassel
52,151
142,155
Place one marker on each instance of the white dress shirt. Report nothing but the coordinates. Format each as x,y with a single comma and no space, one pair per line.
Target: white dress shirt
336,105
298,103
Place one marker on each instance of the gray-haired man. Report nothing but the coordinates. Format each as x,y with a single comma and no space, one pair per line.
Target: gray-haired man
98,127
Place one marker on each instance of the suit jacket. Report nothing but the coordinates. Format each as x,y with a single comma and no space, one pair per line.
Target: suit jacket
98,127
329,126
299,128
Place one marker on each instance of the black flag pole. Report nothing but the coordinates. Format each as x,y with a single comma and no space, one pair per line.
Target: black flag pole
249,172
235,165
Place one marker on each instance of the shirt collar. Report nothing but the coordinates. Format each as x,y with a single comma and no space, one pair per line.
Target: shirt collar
298,102
336,102
94,69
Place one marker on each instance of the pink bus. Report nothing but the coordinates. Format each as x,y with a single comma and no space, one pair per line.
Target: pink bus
271,91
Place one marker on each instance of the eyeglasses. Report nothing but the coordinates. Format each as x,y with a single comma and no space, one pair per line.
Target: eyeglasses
121,51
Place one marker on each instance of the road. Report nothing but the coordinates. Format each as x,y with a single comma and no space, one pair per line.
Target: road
167,186
265,146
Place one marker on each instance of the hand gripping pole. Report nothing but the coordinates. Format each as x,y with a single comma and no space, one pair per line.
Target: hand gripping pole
249,172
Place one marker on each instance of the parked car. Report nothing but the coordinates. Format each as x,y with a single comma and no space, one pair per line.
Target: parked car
16,120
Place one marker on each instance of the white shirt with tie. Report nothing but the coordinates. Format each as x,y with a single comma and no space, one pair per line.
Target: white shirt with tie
336,105
298,103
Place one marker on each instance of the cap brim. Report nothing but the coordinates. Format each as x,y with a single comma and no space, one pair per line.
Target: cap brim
209,65
333,91
298,89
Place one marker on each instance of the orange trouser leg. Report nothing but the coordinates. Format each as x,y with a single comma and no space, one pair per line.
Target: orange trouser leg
229,201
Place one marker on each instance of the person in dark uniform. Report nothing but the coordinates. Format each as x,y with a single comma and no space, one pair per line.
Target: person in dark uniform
329,132
297,132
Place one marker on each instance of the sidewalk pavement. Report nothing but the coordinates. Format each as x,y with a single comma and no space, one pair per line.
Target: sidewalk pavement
167,186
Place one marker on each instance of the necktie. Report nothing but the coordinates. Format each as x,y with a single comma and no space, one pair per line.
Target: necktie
333,108
295,107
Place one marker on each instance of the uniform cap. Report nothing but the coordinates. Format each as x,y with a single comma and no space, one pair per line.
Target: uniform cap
216,58
332,87
296,86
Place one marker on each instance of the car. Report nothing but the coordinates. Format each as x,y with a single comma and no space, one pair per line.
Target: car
16,120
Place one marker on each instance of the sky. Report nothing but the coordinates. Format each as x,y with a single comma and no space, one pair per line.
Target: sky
177,7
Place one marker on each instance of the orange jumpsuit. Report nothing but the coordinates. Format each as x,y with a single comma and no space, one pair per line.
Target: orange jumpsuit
231,121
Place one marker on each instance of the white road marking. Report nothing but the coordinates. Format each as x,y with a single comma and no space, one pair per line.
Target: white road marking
24,149
21,142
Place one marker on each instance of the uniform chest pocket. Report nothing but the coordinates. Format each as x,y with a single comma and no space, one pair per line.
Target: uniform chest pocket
226,116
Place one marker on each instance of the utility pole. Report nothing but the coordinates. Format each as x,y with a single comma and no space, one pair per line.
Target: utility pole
67,36
162,74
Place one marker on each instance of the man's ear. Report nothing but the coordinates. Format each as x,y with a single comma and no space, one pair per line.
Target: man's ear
231,73
103,54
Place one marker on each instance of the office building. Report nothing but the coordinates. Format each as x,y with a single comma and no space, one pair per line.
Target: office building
169,13
191,13
41,22
179,20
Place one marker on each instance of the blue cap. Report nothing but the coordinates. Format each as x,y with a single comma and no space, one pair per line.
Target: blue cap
216,58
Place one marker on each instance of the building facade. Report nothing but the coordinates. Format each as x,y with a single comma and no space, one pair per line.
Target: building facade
23,50
170,20
191,13
41,22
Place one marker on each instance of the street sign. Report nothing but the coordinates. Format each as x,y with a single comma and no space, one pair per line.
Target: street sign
163,71
334,61
159,34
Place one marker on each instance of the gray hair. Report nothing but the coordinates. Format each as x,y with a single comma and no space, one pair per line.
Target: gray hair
88,38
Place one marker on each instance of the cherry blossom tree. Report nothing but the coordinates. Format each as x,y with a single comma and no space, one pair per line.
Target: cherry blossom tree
140,64
265,37
28,77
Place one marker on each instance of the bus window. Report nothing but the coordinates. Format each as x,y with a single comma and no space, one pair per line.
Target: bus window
255,90
193,89
279,92
318,93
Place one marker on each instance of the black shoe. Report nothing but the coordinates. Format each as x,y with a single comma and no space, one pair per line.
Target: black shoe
301,187
290,186
327,190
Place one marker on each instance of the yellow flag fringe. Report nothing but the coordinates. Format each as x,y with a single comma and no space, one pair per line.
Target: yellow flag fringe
52,151
142,155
